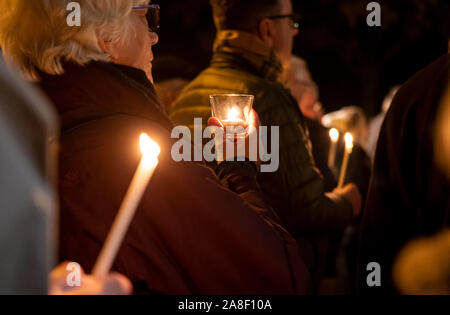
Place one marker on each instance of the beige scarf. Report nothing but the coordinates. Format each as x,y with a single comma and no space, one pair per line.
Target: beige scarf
252,49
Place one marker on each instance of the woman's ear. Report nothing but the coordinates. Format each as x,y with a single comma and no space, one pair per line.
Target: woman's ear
266,32
108,48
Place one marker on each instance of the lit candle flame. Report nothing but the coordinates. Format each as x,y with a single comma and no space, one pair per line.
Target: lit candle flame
334,134
348,141
233,114
150,149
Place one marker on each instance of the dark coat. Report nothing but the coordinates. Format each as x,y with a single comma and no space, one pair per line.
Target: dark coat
409,196
190,234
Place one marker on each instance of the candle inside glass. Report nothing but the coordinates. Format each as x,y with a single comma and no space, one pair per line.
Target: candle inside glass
233,122
233,110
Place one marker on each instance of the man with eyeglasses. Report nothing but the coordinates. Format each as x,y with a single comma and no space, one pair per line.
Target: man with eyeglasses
252,47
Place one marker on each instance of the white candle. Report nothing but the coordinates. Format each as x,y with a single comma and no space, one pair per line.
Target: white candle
150,152
348,151
334,137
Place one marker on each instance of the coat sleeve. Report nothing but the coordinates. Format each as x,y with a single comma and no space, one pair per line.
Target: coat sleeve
307,208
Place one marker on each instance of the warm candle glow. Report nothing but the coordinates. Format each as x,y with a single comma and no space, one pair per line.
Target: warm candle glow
348,141
347,152
334,134
149,148
233,114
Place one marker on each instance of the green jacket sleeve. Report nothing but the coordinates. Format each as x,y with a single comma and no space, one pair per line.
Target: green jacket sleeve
308,208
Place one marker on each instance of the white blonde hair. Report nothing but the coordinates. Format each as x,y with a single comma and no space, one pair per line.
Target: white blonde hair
34,34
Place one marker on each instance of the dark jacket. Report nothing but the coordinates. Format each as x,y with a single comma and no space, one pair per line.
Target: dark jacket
409,196
190,234
296,190
320,140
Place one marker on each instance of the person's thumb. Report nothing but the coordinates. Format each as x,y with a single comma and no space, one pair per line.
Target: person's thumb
213,121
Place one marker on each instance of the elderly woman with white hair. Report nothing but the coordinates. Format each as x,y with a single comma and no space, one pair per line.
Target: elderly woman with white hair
190,234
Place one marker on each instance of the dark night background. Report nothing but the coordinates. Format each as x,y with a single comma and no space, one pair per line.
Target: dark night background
353,64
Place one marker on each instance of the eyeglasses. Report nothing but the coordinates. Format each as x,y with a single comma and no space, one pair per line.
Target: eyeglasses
152,15
295,19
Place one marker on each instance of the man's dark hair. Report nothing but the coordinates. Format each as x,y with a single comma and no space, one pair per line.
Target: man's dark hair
242,14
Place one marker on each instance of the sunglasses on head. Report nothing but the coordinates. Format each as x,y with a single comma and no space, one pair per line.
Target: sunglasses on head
152,15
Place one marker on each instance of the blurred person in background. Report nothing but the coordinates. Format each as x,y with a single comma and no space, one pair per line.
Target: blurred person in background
376,123
28,197
423,265
172,74
409,195
349,119
299,81
352,119
190,234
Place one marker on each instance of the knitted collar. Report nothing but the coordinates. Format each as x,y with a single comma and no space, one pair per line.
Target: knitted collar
251,48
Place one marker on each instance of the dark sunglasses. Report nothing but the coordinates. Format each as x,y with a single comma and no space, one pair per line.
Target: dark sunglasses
152,15
295,19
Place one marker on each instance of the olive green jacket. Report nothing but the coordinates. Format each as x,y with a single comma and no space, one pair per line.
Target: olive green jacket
296,190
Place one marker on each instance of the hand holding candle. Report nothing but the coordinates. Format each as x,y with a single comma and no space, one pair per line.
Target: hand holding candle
348,151
150,152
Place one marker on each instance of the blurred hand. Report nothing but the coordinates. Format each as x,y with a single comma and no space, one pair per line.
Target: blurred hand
351,192
251,129
113,284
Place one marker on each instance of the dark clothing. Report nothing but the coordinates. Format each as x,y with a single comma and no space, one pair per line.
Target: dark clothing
320,141
359,166
296,189
409,196
190,234
359,169
339,245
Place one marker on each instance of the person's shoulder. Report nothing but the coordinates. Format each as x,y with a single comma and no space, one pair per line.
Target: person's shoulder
115,133
416,103
433,76
214,80
226,79
220,80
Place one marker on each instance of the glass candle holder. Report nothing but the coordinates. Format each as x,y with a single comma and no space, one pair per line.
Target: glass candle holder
233,110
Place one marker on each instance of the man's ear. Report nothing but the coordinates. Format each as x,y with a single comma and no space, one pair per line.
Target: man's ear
266,32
